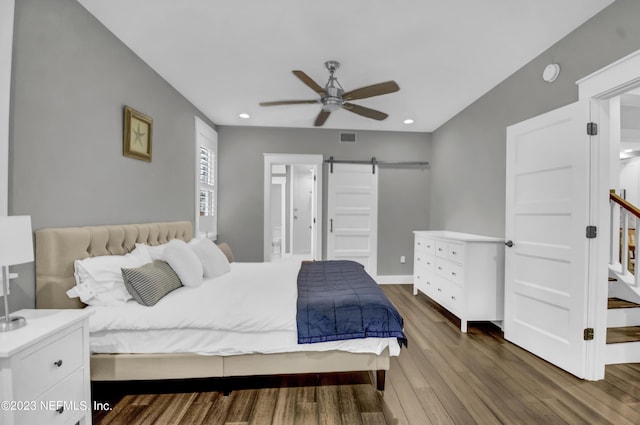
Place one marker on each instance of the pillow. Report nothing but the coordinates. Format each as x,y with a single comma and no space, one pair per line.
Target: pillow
155,251
184,262
214,262
226,249
99,279
149,283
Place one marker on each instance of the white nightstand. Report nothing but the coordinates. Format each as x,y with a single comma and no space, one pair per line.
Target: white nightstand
44,369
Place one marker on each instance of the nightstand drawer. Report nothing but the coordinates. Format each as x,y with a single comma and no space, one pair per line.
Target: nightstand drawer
49,363
59,405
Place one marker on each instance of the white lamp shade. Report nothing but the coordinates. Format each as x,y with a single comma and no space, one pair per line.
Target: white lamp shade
16,240
206,223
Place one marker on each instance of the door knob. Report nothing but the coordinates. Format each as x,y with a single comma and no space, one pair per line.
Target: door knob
509,243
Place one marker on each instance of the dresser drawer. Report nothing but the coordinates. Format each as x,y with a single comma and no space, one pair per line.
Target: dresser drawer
425,245
60,404
424,261
48,364
450,270
455,251
452,298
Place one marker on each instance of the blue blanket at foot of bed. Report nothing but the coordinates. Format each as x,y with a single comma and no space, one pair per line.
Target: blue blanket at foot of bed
338,300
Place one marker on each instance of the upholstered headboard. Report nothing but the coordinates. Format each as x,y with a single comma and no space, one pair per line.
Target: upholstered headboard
58,248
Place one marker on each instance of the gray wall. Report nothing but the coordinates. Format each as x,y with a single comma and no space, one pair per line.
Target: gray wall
469,151
71,80
403,193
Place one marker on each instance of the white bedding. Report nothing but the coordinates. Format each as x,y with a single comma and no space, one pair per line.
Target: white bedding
251,309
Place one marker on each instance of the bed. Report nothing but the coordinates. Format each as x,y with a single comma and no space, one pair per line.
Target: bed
58,248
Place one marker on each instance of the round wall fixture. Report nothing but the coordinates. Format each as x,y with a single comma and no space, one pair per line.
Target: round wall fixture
551,72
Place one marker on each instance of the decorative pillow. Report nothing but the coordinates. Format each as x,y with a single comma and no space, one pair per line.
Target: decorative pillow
99,279
149,283
184,262
226,249
214,262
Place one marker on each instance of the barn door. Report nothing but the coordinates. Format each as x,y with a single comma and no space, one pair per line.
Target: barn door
352,208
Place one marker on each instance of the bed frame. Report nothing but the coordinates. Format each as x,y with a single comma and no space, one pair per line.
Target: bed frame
57,249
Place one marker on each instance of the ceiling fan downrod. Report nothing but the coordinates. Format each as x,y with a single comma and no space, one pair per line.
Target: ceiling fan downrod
333,100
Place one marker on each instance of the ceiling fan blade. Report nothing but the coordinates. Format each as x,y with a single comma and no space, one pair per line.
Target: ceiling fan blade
289,102
365,112
370,91
309,82
322,117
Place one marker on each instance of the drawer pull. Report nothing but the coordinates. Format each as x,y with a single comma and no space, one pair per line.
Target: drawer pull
440,249
453,298
454,253
418,258
428,283
58,363
60,409
439,290
419,244
439,268
453,273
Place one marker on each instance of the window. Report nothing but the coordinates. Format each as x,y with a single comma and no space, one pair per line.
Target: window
207,180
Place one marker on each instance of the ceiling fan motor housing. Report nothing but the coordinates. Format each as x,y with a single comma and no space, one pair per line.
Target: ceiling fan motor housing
333,99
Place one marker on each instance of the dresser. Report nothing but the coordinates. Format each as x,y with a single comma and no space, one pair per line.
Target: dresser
462,272
44,369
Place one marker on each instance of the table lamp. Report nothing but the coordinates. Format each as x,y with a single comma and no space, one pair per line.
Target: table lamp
16,247
206,225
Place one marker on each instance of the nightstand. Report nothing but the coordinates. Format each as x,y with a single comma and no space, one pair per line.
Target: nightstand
44,369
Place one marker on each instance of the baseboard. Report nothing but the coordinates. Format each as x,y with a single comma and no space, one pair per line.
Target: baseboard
389,279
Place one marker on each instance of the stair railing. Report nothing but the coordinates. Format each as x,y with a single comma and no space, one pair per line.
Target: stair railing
620,252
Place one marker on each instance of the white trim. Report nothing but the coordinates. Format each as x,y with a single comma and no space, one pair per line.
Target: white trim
393,279
611,80
7,8
291,159
601,86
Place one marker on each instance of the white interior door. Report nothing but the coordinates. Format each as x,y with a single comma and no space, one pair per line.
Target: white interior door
547,211
352,208
302,214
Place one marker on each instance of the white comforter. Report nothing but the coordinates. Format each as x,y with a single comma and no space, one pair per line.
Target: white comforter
253,297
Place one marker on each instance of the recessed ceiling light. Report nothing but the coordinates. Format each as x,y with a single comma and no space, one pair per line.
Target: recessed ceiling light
244,115
408,121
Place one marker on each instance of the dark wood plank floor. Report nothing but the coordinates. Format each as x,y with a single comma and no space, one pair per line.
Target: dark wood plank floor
443,377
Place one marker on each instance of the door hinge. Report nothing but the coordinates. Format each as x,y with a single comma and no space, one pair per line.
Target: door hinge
588,334
592,129
592,232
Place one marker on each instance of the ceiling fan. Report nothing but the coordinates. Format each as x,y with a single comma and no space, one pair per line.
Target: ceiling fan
333,96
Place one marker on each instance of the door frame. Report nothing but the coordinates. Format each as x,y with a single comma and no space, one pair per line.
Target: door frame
7,9
292,159
600,88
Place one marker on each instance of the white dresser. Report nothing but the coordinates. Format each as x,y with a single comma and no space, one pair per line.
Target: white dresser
44,369
462,272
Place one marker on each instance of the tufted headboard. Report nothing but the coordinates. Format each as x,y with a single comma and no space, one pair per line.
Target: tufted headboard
58,248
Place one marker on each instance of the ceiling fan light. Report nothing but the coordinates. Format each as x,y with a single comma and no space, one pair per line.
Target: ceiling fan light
408,121
244,115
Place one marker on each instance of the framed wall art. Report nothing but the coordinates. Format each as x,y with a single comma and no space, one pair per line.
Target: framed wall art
138,129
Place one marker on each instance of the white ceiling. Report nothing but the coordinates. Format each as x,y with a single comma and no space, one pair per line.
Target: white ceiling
227,56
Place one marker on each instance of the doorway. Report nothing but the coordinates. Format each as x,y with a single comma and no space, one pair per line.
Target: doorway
292,207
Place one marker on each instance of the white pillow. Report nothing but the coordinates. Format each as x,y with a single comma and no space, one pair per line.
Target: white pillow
99,279
184,262
214,262
156,251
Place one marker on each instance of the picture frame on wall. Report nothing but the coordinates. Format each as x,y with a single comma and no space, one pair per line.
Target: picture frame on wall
138,131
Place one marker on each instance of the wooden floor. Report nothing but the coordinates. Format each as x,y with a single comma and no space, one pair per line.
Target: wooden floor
443,377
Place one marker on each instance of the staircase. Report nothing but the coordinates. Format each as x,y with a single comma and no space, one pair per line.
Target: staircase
623,310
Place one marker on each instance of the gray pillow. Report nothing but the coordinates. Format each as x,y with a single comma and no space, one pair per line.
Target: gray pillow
149,283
